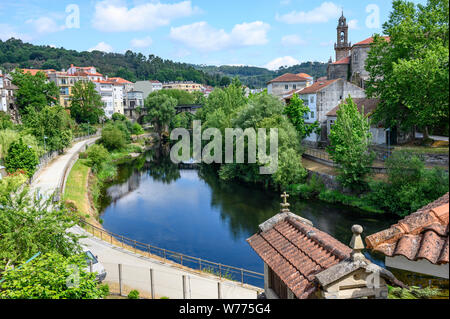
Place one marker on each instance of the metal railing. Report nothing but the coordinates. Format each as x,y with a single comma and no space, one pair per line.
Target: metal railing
241,275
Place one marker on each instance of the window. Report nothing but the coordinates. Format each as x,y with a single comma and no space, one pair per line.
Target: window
355,57
313,115
294,86
286,87
311,99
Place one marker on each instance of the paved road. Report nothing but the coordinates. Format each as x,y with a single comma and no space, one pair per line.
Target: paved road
433,137
168,278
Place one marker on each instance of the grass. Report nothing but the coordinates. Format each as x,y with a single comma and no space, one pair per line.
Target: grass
76,191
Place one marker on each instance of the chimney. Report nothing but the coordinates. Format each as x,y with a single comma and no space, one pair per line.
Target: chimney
356,243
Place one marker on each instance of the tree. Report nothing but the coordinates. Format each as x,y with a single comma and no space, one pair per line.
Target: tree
21,157
51,276
51,126
296,111
160,110
349,145
97,154
29,225
34,91
86,104
5,121
410,72
113,137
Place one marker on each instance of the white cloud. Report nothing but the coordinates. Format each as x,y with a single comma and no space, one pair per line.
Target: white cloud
323,13
142,43
282,61
45,25
115,16
353,24
102,46
7,32
202,36
292,40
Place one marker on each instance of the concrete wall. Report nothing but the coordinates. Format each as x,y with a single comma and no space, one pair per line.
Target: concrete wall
279,88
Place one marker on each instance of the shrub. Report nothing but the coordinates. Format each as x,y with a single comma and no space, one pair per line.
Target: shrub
21,157
104,289
113,137
8,136
97,155
137,129
5,121
118,117
134,294
107,171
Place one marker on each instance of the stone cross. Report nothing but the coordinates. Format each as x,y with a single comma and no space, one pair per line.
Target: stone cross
357,243
285,205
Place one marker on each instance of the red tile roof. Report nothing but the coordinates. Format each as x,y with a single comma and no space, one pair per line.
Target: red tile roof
317,86
304,75
370,105
120,80
370,41
422,235
296,252
289,77
35,71
345,60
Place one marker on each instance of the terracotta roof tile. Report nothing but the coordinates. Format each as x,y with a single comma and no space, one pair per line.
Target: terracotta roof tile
421,235
288,77
297,252
370,41
345,60
370,105
317,86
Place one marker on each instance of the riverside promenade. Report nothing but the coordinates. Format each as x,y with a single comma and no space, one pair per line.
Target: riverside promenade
169,280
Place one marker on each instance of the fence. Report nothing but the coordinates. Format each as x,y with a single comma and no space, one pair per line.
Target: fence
161,283
324,158
241,275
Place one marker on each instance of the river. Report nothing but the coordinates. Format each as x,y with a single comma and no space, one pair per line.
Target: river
194,213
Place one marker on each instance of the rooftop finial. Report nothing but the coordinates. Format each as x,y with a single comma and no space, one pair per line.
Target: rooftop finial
285,205
357,243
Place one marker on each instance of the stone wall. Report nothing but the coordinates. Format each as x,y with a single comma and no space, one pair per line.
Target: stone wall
336,71
329,181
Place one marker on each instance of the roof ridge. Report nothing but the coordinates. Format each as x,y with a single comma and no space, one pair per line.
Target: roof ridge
326,246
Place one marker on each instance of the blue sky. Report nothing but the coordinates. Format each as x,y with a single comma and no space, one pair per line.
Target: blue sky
266,33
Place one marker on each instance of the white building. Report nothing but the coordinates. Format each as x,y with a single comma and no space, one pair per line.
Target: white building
147,87
90,72
287,83
321,98
106,91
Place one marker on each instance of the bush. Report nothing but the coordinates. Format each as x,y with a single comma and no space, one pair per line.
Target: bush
410,185
113,138
134,294
8,136
336,197
21,157
5,121
137,129
104,289
118,117
107,171
97,155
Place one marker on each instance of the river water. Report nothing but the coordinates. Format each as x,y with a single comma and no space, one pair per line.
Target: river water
194,213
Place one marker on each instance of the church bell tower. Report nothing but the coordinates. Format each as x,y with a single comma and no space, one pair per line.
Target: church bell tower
342,47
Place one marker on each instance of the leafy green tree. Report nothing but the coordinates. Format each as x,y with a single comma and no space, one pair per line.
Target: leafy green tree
86,103
51,276
118,117
410,73
34,91
97,154
29,225
53,124
21,157
5,121
160,111
296,111
349,145
8,136
182,97
137,129
113,138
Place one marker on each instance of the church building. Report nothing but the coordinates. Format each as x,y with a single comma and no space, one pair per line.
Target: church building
350,60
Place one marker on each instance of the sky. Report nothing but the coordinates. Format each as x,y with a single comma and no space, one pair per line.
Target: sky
265,33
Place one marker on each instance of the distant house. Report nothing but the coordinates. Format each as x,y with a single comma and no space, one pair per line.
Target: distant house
419,242
321,98
287,83
105,89
187,86
379,134
7,96
302,262
147,87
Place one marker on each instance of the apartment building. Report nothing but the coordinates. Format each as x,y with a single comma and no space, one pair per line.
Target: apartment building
147,87
187,86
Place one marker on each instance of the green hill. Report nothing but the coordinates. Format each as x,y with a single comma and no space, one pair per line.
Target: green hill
131,66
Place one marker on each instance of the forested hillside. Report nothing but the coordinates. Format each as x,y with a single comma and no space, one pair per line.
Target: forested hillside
131,66
256,77
135,66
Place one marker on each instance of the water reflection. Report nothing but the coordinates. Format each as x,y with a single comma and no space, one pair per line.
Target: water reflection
195,213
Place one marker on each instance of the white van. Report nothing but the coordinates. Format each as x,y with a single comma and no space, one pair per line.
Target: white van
96,267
